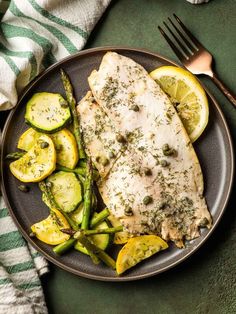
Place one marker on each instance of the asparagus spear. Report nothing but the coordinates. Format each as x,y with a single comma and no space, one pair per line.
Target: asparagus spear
64,247
72,103
45,189
94,231
15,155
92,248
99,217
87,196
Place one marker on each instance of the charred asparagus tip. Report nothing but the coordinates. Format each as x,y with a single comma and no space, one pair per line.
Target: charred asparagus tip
68,231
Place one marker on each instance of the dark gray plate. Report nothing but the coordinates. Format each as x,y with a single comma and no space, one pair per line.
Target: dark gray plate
214,150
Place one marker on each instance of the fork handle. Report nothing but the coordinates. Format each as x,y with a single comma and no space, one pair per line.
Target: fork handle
231,97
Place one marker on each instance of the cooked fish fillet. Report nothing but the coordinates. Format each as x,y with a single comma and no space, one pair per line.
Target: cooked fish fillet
156,184
99,135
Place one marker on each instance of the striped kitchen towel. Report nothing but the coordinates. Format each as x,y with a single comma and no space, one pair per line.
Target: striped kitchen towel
37,33
34,34
20,268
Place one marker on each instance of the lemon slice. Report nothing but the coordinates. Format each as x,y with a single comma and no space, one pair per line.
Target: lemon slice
187,95
48,230
137,249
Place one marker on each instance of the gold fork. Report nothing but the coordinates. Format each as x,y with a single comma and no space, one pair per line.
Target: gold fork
193,55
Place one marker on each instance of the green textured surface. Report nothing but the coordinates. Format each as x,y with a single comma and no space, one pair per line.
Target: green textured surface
206,282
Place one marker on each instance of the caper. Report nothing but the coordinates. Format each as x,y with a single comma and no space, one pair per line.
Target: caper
164,163
23,188
135,108
111,154
120,138
97,158
165,147
44,145
147,171
147,200
49,184
128,211
170,152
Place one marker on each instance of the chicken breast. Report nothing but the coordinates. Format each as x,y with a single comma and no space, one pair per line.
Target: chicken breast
155,185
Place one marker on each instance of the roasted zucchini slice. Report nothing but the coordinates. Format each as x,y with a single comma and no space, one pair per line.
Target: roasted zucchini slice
66,189
47,112
100,240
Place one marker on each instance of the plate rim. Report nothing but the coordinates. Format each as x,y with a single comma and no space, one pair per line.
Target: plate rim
100,277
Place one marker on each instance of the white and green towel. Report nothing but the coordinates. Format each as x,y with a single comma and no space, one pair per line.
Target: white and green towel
20,268
37,33
34,34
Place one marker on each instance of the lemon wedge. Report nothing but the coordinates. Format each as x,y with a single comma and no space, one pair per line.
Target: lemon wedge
187,95
137,249
48,230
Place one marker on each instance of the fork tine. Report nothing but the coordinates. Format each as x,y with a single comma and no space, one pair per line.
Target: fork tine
178,53
190,35
188,44
177,40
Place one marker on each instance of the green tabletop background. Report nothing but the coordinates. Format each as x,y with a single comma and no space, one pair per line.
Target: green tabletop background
206,282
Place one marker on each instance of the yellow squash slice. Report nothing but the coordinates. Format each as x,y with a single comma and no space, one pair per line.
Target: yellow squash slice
28,139
64,141
38,163
137,249
67,151
48,230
